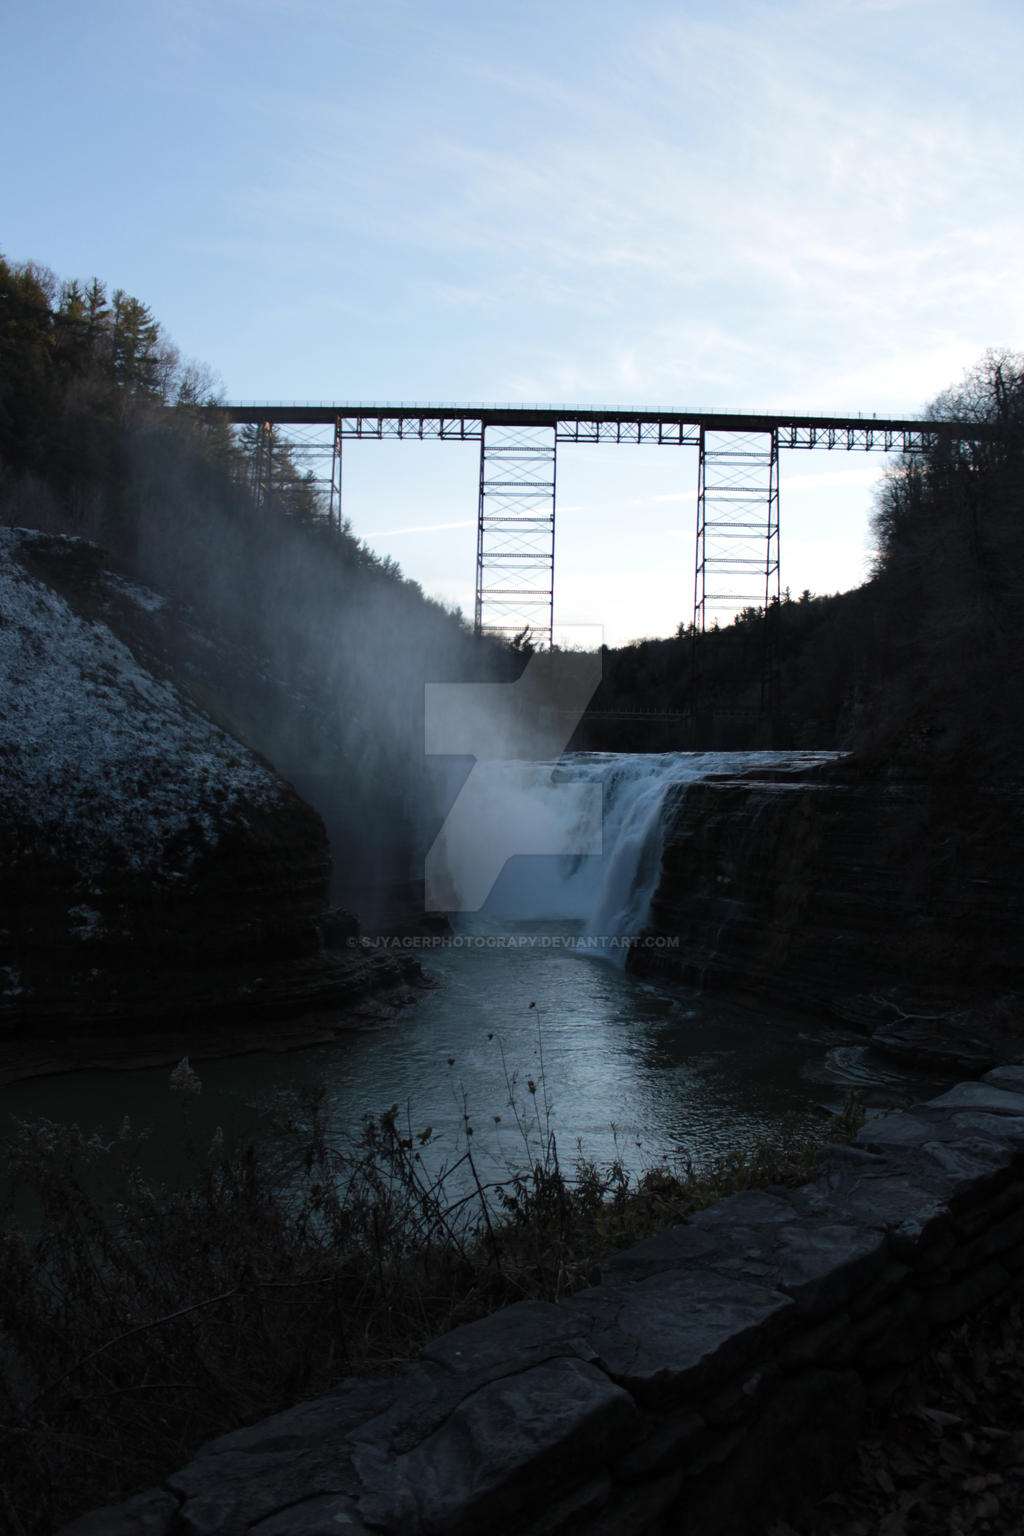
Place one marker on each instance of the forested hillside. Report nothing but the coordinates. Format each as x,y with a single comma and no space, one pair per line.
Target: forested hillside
822,644
105,431
948,593
922,662
322,648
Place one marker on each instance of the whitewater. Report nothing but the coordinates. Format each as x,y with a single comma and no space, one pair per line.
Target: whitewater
524,993
607,891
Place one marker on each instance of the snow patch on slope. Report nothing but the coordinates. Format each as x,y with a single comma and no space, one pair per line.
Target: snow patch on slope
143,597
114,765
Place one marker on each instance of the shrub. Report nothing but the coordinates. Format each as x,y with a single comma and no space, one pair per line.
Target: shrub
137,1322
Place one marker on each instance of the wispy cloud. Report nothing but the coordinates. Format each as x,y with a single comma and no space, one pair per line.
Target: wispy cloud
829,202
394,533
866,474
792,206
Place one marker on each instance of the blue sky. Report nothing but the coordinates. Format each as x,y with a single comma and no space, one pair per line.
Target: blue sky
807,206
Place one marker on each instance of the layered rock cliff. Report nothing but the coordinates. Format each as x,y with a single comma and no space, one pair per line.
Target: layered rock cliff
153,871
871,896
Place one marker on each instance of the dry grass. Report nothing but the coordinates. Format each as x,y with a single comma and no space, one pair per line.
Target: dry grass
137,1322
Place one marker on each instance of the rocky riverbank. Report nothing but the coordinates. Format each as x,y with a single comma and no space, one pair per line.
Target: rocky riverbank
716,1376
889,902
162,889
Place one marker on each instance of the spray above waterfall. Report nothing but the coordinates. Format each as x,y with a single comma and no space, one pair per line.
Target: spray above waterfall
614,820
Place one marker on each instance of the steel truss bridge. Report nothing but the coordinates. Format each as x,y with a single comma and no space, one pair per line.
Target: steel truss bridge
737,564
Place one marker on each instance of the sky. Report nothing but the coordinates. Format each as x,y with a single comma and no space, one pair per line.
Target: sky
810,207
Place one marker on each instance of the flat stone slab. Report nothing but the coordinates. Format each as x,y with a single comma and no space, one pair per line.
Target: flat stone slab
988,1096
890,1133
973,1155
821,1267
499,1450
818,1264
527,1333
244,1477
981,1122
1009,1077
891,1203
965,1168
679,1248
665,1338
751,1207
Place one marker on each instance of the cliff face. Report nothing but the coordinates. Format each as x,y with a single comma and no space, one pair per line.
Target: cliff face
844,891
153,871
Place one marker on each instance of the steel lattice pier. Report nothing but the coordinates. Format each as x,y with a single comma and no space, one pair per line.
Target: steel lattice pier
738,561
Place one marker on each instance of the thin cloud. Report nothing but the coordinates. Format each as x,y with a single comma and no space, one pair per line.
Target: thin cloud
394,533
863,475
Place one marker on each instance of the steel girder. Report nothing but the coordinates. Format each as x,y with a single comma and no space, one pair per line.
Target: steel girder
737,569
737,550
515,549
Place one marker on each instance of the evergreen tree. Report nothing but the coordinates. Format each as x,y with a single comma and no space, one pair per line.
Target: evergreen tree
97,315
26,362
135,353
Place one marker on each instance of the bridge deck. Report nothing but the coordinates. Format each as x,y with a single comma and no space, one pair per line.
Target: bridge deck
599,424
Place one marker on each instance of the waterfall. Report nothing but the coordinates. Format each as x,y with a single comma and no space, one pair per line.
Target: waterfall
633,834
604,894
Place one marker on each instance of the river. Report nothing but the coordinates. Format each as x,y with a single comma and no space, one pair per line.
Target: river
533,1027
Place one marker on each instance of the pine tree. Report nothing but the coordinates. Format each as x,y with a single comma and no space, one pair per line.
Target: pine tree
26,360
71,330
136,353
97,315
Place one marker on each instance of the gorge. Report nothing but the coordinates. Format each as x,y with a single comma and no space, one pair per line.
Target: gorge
215,813
847,901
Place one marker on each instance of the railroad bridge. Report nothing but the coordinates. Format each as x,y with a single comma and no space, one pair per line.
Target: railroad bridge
737,562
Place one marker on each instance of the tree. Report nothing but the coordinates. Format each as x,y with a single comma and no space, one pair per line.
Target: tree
97,315
26,361
950,573
136,355
522,643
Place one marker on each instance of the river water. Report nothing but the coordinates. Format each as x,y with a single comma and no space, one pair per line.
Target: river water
533,1027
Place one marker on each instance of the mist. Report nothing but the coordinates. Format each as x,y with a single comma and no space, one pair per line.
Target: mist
320,659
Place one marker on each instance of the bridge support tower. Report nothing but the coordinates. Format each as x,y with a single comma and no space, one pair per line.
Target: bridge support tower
515,543
737,568
262,463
